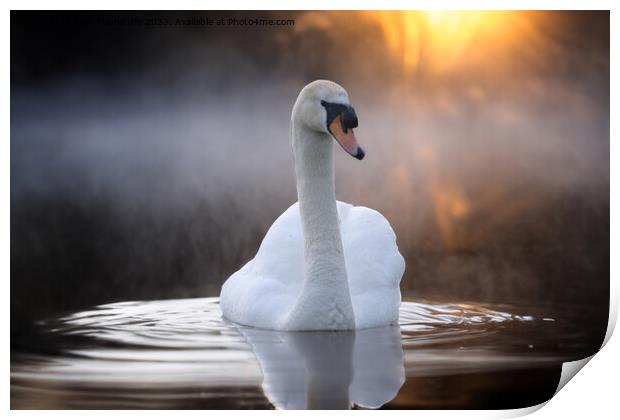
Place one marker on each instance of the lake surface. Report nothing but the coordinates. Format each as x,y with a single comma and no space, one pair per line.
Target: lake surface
181,354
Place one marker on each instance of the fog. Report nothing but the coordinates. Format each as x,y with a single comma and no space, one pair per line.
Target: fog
149,162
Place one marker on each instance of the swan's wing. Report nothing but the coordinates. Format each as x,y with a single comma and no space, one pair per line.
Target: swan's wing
374,266
281,254
271,280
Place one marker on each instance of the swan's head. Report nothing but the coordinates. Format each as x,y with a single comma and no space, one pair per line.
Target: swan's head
324,106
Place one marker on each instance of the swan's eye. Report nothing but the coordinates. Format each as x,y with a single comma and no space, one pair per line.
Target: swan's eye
347,115
349,118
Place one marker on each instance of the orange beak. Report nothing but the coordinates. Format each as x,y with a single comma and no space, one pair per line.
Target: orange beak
346,138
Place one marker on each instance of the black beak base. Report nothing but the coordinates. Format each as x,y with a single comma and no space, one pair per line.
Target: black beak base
348,120
348,117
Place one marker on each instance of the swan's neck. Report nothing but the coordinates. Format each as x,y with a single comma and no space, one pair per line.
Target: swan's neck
325,301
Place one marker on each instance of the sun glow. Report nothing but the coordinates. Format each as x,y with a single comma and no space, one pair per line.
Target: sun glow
437,69
435,41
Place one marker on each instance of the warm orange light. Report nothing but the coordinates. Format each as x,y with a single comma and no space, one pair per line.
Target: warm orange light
438,40
451,208
438,43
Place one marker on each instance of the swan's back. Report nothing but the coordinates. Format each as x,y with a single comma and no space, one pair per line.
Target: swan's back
263,292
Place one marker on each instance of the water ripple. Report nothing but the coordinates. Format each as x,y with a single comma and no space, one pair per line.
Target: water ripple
187,354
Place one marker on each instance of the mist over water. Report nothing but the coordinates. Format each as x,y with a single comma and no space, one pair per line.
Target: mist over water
149,162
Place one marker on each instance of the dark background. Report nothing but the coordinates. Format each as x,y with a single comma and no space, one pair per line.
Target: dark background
147,162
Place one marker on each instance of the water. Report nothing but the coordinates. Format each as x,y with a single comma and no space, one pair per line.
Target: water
181,354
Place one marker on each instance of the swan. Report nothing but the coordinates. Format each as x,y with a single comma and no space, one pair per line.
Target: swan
323,264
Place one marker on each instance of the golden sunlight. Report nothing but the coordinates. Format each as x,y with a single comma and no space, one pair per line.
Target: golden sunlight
435,41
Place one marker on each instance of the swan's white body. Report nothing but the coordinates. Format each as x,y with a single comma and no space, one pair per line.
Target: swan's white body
264,291
323,265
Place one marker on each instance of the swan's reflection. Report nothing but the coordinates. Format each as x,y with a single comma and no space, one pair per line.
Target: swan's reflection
329,370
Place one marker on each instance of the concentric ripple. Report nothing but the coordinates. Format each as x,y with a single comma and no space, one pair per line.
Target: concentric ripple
180,353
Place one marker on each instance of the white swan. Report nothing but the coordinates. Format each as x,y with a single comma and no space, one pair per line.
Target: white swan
323,264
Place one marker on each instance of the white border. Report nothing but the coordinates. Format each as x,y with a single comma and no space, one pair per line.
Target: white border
593,393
